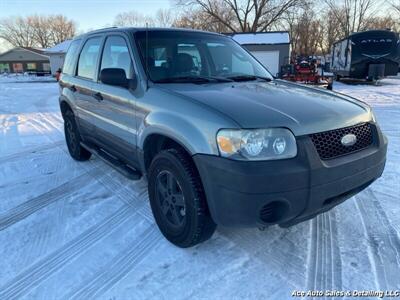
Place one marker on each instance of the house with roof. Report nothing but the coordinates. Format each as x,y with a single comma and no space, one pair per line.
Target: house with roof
56,55
24,59
272,49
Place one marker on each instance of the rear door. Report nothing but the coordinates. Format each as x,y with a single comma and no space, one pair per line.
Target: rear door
82,86
116,123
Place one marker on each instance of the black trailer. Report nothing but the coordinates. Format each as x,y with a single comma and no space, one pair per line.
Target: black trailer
367,55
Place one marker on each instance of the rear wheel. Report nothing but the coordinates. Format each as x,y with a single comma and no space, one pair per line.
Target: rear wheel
73,138
177,199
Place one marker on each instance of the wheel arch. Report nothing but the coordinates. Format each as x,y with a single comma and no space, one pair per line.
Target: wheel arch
174,129
66,105
156,142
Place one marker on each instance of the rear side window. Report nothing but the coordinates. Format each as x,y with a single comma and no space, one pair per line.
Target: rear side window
68,67
88,58
116,55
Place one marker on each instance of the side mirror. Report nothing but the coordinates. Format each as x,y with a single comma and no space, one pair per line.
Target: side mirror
114,76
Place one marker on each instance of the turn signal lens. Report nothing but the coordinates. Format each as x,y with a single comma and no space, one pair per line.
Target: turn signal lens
225,145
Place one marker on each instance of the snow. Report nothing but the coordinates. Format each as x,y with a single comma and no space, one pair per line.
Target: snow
59,48
22,78
262,38
79,229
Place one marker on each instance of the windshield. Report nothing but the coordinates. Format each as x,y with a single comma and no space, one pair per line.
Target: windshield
178,56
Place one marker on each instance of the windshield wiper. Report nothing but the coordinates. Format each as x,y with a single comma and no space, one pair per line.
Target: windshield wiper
192,79
248,78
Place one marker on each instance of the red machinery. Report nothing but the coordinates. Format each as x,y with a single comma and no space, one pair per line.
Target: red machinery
304,71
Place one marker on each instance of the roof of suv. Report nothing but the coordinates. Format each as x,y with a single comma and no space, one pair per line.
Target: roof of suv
137,29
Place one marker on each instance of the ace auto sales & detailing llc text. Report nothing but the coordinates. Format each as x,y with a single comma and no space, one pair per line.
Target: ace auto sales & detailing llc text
354,293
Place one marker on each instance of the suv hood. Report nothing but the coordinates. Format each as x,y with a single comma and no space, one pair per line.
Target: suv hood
256,104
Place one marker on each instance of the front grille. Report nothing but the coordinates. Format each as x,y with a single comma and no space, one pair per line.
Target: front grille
328,143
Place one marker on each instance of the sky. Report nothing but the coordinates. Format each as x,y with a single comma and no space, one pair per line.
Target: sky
88,14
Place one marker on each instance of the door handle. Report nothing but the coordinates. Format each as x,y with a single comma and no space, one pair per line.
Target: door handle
98,96
72,88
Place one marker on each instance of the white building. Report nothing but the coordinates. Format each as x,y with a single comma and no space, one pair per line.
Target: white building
56,55
272,48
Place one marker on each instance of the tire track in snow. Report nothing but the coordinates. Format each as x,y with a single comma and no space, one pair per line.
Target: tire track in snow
113,183
10,121
117,184
31,206
47,266
42,129
30,151
118,267
44,236
253,242
383,241
324,260
47,121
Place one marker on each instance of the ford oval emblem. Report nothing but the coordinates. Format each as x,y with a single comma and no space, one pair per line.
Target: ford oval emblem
348,140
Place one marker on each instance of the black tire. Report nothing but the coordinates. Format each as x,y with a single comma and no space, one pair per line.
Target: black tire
73,138
184,222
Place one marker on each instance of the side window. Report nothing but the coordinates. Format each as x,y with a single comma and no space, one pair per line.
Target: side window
116,55
88,58
68,67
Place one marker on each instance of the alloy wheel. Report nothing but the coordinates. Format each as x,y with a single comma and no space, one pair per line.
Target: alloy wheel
170,198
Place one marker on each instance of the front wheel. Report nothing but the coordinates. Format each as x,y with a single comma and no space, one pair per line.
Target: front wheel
177,199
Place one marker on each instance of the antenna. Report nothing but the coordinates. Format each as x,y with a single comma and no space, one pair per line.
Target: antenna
147,56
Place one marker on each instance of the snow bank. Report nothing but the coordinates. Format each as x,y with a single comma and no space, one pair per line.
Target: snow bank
25,78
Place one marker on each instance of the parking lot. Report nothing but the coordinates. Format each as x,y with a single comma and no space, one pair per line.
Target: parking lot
82,230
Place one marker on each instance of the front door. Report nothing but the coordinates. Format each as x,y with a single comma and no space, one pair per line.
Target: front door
116,123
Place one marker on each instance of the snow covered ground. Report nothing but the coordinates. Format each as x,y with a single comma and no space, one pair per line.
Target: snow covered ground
21,78
81,230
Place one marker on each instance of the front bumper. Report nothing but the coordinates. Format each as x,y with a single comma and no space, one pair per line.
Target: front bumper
286,192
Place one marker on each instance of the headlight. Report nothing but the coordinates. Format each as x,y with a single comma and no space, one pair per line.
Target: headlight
257,144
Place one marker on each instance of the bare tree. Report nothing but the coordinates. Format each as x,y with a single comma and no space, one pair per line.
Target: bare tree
61,28
164,18
17,32
36,31
379,22
396,5
308,34
352,14
290,23
196,18
133,18
332,31
41,30
249,15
